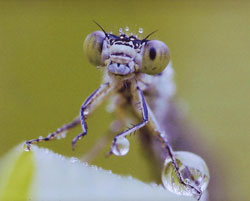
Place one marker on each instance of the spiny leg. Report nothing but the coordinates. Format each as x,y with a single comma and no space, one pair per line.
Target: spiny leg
137,126
55,134
162,137
89,105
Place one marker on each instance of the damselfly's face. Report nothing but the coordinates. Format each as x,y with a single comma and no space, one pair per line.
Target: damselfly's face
124,55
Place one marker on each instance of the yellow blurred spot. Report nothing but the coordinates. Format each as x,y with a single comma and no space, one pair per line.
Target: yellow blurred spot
19,181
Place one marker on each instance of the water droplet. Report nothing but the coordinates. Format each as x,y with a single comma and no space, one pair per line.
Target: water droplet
120,31
62,157
63,135
86,112
121,147
126,28
140,30
163,135
73,160
27,149
130,177
194,172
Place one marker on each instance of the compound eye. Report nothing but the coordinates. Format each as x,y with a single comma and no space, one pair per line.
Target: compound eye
155,57
93,46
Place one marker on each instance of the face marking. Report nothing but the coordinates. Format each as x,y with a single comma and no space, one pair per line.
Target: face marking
123,51
134,55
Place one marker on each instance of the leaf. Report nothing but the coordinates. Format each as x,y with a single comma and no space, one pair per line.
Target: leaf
42,175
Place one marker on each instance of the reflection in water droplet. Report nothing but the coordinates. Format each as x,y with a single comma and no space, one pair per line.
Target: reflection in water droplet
140,30
126,28
122,146
194,171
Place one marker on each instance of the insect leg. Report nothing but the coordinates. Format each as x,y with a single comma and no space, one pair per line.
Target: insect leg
102,142
89,105
161,135
53,135
137,126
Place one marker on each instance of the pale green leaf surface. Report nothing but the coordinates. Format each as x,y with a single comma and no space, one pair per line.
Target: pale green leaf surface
43,175
16,171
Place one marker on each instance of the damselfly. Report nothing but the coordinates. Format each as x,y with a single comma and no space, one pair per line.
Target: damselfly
136,77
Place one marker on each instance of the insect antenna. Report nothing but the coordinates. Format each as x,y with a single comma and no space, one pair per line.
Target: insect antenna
101,29
144,40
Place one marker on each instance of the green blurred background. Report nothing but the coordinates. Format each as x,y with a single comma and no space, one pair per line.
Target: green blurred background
44,76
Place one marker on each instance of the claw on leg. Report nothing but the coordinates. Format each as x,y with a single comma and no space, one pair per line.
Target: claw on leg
78,137
89,105
55,134
112,148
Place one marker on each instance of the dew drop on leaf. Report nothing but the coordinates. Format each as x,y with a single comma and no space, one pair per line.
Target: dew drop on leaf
193,170
140,30
122,146
73,160
26,149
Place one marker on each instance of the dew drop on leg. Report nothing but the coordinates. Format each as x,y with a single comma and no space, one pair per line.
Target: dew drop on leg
121,147
193,169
